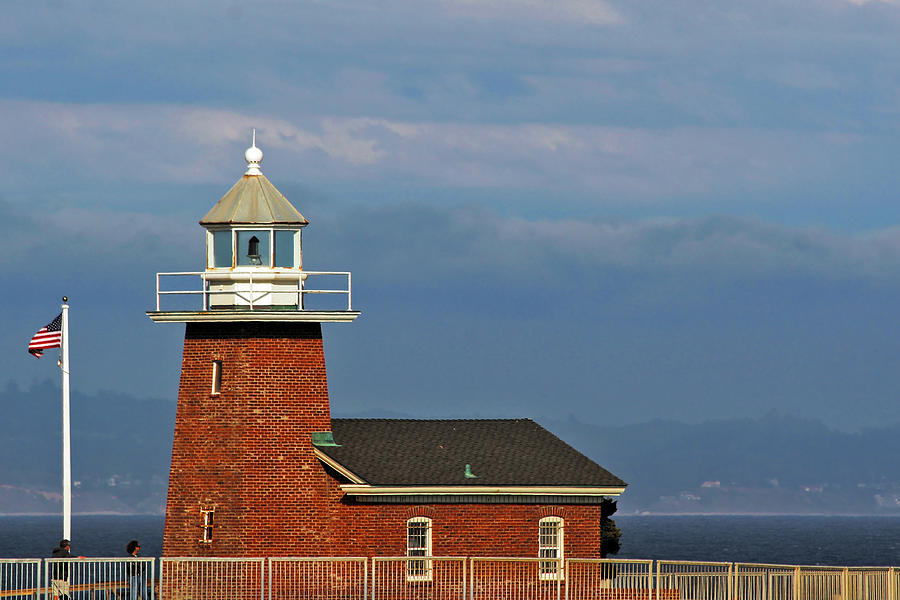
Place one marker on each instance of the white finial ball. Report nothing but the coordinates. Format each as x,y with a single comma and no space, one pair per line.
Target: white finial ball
253,154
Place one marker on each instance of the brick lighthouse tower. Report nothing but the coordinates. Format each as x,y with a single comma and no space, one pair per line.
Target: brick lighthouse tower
253,394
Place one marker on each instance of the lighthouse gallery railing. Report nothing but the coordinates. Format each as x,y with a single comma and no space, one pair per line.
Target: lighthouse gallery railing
255,292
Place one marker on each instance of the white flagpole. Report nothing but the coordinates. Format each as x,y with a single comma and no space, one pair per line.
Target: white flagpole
67,454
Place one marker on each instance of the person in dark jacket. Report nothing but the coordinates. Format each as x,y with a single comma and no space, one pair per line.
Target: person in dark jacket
137,580
59,576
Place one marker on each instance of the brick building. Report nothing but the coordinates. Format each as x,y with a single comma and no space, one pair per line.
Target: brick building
259,467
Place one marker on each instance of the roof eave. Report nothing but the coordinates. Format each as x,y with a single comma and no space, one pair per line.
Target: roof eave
355,489
256,223
356,479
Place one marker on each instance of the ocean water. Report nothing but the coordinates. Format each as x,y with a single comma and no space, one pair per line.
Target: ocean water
796,540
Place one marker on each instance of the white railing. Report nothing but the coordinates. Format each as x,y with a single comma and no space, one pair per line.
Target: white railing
516,578
419,578
212,578
254,291
435,578
20,578
599,578
100,578
694,579
293,578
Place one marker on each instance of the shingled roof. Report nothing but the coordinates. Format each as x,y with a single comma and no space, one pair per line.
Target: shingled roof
500,452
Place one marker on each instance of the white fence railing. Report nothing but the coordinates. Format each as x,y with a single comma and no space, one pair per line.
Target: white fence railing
419,578
254,291
516,578
609,578
20,578
435,578
319,578
212,578
695,580
99,578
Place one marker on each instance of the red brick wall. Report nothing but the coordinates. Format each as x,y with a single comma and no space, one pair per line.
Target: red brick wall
247,453
467,529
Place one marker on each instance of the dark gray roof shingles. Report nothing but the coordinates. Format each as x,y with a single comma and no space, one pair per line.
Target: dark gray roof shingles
501,452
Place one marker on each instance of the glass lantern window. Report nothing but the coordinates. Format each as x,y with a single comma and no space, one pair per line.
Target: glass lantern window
222,249
253,248
284,249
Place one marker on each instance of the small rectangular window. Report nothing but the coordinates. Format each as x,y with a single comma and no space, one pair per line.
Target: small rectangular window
550,545
222,250
206,524
418,543
216,377
284,249
253,248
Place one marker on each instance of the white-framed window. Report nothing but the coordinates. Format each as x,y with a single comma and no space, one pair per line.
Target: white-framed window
418,543
254,247
550,545
216,378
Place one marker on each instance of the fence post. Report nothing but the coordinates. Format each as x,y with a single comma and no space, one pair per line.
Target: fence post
845,576
656,586
464,582
796,582
892,594
731,576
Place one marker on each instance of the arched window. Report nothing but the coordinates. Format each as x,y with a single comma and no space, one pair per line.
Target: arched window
418,543
550,545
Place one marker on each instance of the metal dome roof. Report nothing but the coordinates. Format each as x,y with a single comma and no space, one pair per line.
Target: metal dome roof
254,200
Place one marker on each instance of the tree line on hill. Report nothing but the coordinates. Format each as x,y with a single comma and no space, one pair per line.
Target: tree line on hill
121,447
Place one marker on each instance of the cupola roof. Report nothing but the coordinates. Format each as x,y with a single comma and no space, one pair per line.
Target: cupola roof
253,200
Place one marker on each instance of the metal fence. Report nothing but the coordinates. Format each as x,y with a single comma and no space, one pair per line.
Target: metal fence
516,578
20,578
609,579
317,578
694,580
99,578
211,578
435,578
870,583
419,578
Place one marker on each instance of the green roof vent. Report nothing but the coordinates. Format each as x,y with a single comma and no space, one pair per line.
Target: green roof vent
323,438
469,473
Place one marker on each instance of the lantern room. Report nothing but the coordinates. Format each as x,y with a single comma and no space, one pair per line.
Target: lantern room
254,260
254,244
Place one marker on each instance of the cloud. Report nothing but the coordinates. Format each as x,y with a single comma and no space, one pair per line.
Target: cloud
169,143
592,12
432,243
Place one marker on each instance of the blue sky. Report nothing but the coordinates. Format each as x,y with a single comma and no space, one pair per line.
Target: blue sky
616,211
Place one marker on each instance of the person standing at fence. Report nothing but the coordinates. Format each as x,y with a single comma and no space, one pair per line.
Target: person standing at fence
59,575
137,577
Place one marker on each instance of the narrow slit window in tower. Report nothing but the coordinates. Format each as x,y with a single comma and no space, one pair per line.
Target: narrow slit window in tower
216,377
206,524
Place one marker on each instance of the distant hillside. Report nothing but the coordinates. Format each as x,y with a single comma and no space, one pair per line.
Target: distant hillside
772,464
121,448
120,451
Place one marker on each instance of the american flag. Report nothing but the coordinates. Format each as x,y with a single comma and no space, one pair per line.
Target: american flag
49,336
